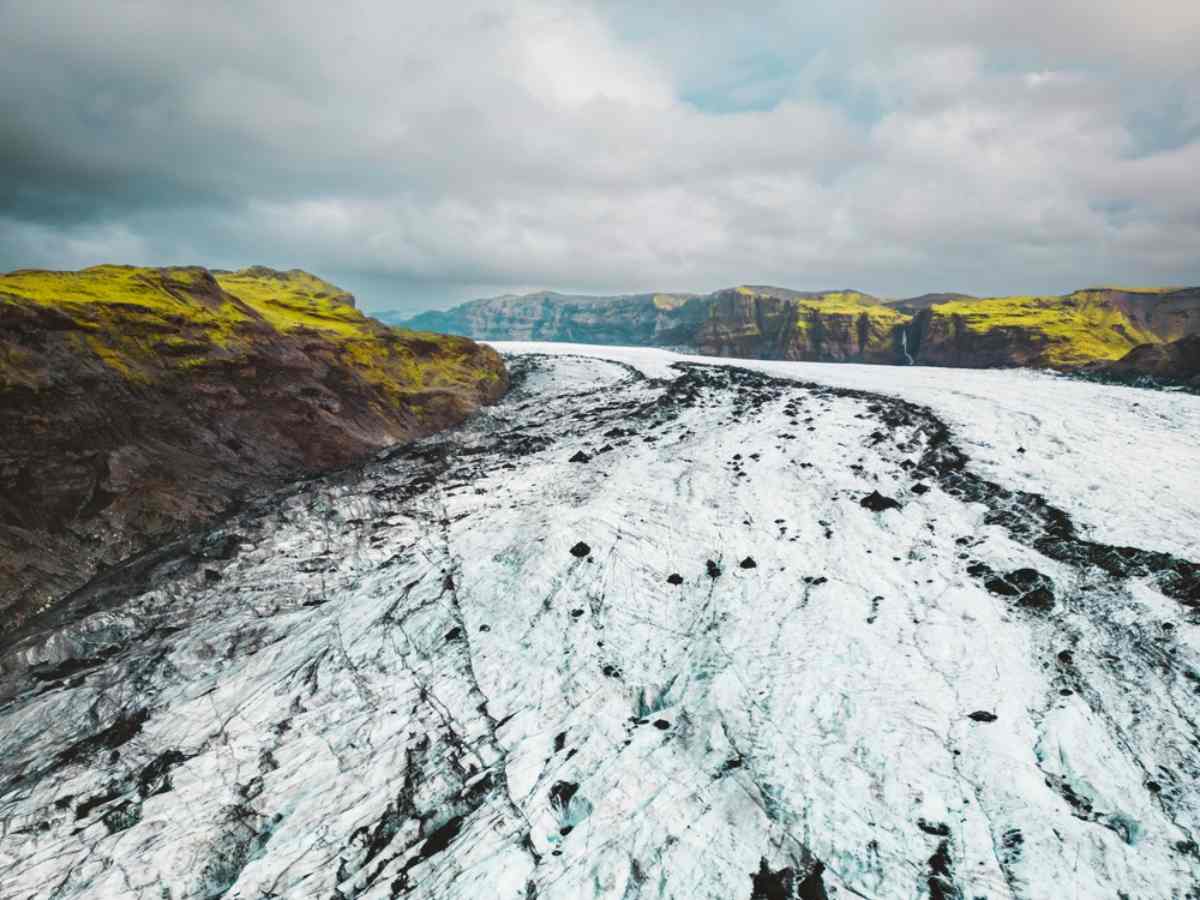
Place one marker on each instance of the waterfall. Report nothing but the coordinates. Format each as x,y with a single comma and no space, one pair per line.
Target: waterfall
904,345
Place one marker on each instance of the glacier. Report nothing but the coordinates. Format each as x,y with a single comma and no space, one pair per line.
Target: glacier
654,626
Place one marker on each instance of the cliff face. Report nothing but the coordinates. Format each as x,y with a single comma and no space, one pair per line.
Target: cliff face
843,326
135,403
1060,332
758,322
634,319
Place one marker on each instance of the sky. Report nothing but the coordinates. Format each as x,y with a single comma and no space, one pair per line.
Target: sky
423,154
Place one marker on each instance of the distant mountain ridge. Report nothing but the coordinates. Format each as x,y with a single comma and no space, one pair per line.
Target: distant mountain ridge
1093,326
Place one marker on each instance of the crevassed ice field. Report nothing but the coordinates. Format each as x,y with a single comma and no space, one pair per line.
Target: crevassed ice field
654,626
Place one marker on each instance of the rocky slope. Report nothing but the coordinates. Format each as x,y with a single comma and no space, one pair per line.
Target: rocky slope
650,629
1176,362
847,326
135,403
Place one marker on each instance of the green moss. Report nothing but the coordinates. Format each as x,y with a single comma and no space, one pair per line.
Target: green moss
295,299
1077,328
142,323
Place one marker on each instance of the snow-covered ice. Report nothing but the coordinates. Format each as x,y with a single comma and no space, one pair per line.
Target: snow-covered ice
467,669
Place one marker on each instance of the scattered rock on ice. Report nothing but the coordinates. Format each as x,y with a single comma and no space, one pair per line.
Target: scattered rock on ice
876,502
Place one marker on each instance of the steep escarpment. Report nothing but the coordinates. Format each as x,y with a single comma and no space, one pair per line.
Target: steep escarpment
135,403
1058,332
766,323
631,319
758,322
746,321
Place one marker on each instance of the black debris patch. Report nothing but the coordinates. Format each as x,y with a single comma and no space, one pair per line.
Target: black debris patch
114,736
1033,590
123,816
580,550
454,634
734,762
560,741
813,885
611,671
580,457
1010,844
713,570
937,829
561,793
155,777
84,809
876,502
920,488
769,885
69,667
438,840
982,715
748,563
785,885
941,875
675,578
662,724
441,838
875,601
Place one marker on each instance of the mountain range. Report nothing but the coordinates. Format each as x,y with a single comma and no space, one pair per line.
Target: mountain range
1095,330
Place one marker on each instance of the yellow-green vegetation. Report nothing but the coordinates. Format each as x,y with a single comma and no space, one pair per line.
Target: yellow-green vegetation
850,304
1077,328
841,302
833,304
668,301
145,322
295,299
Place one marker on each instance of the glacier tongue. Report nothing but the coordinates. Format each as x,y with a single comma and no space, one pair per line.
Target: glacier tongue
703,634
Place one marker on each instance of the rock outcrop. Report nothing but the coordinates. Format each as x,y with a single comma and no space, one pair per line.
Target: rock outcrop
1176,362
136,403
761,322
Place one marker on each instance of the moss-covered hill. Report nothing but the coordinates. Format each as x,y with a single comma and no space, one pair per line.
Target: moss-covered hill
137,402
1055,331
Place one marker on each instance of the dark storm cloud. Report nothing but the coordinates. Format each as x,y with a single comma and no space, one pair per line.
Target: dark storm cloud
423,154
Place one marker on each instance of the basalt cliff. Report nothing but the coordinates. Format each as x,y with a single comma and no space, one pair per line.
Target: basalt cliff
136,403
1086,327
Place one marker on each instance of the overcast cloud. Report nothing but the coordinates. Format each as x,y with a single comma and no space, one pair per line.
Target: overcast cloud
422,154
